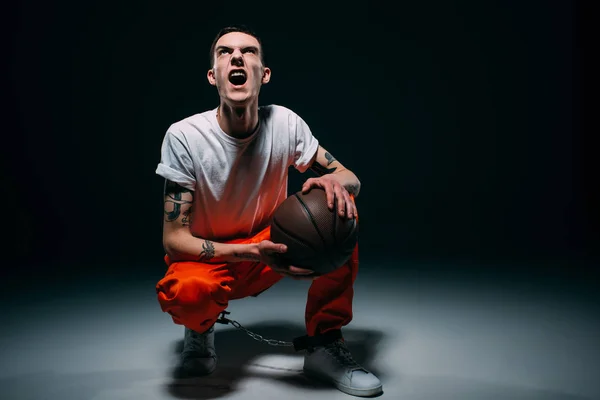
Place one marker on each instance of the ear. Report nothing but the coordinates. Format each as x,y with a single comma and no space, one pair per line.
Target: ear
266,75
211,77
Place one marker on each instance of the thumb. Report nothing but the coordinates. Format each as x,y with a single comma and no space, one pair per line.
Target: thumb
305,187
276,248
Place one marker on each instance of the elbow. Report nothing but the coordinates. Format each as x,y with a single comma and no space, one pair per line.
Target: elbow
354,186
168,245
167,248
357,187
356,183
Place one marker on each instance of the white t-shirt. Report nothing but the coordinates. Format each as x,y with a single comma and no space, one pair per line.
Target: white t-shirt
237,183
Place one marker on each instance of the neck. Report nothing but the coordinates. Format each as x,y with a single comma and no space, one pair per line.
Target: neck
239,122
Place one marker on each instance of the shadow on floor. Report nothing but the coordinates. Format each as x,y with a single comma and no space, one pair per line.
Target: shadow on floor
237,352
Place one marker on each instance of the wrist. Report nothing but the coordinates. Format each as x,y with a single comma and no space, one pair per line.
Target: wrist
247,252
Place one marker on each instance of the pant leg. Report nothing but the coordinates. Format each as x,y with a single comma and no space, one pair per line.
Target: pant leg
195,293
329,303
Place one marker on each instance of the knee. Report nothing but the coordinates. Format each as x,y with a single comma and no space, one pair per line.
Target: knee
192,291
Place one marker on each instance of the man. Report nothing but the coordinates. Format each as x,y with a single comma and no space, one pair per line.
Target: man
226,172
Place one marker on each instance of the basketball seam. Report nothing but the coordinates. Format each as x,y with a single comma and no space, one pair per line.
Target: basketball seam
312,220
293,236
333,230
333,234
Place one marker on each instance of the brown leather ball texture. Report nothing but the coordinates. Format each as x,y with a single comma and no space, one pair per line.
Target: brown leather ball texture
317,238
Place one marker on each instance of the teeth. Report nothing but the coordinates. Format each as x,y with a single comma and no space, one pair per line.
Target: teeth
238,73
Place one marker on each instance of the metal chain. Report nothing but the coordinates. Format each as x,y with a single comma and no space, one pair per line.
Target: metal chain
255,336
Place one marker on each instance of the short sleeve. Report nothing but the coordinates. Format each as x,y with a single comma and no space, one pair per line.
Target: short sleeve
176,162
305,144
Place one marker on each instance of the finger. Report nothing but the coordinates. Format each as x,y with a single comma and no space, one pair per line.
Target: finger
330,194
310,277
267,245
275,248
287,274
300,271
341,201
280,270
349,206
296,276
307,185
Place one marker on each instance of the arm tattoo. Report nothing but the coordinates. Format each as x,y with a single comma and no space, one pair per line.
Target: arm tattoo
320,170
250,256
173,191
329,158
175,199
186,220
208,251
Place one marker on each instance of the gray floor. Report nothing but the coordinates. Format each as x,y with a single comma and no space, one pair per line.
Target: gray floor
427,334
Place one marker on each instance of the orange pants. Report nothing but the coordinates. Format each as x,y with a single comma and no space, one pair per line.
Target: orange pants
195,293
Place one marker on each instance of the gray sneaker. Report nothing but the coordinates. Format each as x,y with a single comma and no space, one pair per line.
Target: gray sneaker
198,357
333,363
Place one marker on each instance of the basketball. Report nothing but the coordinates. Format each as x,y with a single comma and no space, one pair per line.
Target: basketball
316,238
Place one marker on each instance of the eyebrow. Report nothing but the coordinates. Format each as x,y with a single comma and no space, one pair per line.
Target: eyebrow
243,48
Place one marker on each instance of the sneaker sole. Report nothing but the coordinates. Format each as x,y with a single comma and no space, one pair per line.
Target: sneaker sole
179,376
346,389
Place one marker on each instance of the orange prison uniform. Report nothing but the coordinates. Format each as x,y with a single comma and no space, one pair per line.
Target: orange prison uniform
195,293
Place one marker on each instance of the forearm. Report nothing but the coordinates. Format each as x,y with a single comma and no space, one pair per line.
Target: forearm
183,246
348,180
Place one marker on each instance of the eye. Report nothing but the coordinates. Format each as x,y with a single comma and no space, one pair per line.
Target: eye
222,51
253,51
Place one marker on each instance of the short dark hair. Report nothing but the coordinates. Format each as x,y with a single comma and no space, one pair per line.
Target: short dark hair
235,28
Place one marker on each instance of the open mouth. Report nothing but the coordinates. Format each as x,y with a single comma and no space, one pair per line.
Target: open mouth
237,77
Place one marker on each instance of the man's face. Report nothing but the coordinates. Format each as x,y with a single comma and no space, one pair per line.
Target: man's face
238,72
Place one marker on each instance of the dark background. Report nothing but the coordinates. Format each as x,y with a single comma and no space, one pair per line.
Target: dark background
463,120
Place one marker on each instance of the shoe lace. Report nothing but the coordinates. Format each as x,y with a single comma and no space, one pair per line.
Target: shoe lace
341,353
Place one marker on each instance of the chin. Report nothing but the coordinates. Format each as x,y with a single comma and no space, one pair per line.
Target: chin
239,99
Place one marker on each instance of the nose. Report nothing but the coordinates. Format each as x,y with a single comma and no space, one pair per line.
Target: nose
237,58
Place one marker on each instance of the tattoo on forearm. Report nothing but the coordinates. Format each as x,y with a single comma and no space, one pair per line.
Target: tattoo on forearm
329,158
248,256
318,169
208,251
